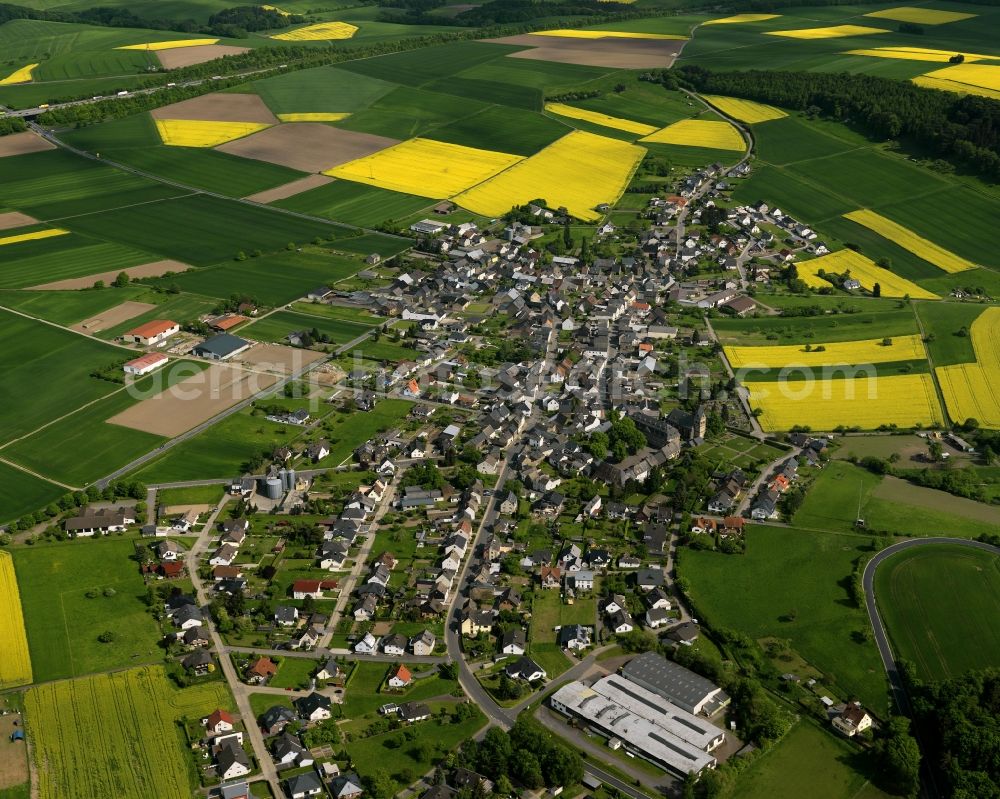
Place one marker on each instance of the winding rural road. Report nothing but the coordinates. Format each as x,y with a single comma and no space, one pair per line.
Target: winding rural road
881,639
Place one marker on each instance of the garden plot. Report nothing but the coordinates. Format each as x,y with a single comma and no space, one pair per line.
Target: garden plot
192,401
307,146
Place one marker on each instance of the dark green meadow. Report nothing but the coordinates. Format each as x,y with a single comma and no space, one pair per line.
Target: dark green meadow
22,493
354,203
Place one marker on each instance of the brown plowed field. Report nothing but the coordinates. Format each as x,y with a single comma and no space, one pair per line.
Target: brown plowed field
219,107
307,146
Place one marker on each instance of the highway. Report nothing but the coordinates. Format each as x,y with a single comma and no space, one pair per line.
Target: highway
881,639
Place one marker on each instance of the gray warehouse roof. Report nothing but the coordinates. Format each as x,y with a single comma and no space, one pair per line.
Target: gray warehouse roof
671,681
221,345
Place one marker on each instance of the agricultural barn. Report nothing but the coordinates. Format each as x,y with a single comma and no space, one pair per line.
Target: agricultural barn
145,364
675,683
220,347
152,332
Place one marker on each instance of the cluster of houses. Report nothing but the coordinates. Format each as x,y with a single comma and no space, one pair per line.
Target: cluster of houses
811,451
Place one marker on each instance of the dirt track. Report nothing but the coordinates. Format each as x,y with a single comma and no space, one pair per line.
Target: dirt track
13,219
22,143
218,107
189,56
290,189
618,53
153,269
307,146
112,316
192,401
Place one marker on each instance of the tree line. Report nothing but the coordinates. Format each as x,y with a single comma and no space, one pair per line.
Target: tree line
234,22
502,12
10,125
962,129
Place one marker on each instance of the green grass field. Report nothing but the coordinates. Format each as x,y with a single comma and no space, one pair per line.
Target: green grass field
355,203
67,307
407,111
63,623
213,229
889,505
33,349
271,279
277,326
793,584
935,602
83,447
944,320
791,767
508,130
321,89
294,673
195,495
42,261
97,719
22,493
887,321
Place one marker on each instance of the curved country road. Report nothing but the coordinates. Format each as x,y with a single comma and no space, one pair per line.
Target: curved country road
881,639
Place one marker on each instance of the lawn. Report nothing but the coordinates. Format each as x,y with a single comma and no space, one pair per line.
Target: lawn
934,601
408,753
63,623
294,672
116,734
364,699
194,495
790,768
793,584
46,373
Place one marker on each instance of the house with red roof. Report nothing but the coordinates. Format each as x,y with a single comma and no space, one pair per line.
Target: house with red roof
400,677
152,333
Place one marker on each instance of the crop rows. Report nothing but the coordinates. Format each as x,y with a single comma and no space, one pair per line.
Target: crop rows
112,735
15,664
714,134
972,390
875,350
868,403
908,240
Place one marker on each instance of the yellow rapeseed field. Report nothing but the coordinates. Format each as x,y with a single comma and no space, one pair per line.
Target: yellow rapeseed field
970,77
426,168
599,119
22,75
737,19
834,353
579,171
866,402
953,86
917,54
576,33
862,269
920,16
832,32
15,665
168,45
973,389
744,110
38,234
908,240
315,116
715,134
278,10
204,133
322,30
